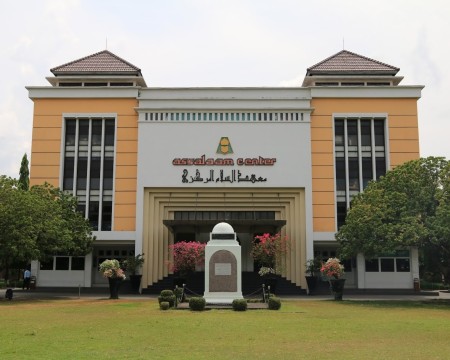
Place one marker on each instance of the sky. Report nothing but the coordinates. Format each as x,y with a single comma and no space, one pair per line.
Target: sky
222,43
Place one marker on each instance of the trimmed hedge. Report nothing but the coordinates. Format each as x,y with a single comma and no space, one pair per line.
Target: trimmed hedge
197,303
274,303
167,296
164,305
239,304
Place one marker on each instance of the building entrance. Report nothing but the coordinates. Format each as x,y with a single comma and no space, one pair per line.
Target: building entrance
176,214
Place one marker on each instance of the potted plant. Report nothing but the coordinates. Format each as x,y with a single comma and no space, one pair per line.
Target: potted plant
186,256
334,270
111,270
133,264
268,251
312,269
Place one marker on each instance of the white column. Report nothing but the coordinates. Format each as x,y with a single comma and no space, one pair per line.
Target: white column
361,271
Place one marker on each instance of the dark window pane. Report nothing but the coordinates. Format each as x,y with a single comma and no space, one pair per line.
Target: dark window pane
68,173
95,173
108,168
46,264
372,265
184,237
93,214
379,133
387,265
96,133
83,132
365,133
340,174
341,209
367,171
353,173
81,207
78,263
339,132
70,132
106,215
352,132
347,265
62,263
402,265
109,133
380,166
82,173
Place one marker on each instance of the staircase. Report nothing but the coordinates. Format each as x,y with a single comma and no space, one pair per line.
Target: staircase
251,284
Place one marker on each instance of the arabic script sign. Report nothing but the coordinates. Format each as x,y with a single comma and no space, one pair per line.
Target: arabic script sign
222,176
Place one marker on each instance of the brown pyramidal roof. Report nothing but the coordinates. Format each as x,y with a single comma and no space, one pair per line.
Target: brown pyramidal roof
101,63
347,62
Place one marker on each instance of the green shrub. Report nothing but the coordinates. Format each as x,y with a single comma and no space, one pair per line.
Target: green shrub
197,303
166,293
239,304
167,296
274,303
164,305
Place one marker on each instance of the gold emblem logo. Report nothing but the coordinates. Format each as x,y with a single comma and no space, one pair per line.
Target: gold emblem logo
224,146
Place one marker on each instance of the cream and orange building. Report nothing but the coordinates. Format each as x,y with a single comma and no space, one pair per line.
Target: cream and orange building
153,166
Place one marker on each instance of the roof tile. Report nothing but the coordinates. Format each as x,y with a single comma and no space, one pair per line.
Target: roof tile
346,62
103,62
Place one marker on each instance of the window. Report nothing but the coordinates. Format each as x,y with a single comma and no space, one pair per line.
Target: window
77,263
46,264
393,262
341,213
372,265
89,159
62,263
387,265
402,265
359,150
224,215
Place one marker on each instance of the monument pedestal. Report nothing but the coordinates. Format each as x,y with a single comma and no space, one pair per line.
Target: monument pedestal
223,266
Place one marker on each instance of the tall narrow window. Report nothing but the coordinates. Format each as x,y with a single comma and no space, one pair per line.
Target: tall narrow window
89,158
357,160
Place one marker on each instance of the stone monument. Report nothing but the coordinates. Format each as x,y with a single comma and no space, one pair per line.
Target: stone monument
223,266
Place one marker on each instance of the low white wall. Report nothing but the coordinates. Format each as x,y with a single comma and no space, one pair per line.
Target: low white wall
388,280
61,278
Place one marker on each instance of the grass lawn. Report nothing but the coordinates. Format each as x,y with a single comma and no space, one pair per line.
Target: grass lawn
137,329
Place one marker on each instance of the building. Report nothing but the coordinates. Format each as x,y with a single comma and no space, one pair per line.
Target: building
152,166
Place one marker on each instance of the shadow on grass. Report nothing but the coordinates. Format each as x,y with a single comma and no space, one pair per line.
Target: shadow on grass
392,304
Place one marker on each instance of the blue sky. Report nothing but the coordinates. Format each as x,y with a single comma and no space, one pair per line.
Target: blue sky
222,43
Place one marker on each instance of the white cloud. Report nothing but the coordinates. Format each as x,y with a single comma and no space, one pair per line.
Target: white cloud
221,43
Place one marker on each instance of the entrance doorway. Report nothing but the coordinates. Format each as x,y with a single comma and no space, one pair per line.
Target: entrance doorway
169,212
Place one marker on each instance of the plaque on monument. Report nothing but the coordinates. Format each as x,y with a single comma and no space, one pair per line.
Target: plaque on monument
222,269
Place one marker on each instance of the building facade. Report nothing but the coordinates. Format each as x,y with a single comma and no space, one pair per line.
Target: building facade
153,166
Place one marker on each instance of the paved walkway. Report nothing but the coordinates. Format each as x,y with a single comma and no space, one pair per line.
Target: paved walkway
37,294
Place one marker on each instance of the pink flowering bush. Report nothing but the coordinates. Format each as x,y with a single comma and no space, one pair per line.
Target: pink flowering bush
332,268
111,269
268,251
186,255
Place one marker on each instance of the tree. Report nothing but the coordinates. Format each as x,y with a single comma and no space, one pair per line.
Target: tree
39,223
409,206
24,174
